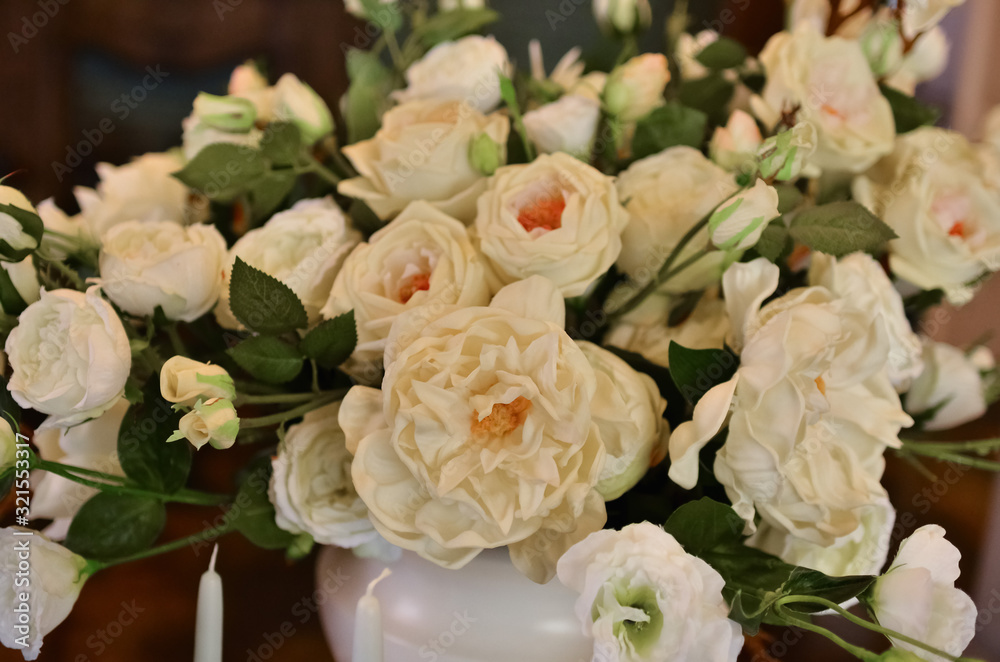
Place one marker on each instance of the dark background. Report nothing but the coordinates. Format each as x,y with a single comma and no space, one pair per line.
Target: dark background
65,80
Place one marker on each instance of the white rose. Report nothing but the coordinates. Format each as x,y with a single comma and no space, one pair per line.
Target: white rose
567,125
810,408
917,596
24,279
688,47
12,232
57,220
246,79
926,61
931,191
303,247
159,263
829,79
70,356
739,223
209,422
466,71
733,146
635,88
861,282
623,16
647,331
556,217
142,190
422,258
185,381
666,195
950,389
311,486
919,16
817,14
56,576
198,135
296,102
628,411
422,152
482,434
643,598
860,552
91,445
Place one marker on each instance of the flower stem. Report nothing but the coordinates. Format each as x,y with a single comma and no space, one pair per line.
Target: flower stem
315,166
175,340
805,624
277,399
67,273
281,417
983,446
207,534
957,458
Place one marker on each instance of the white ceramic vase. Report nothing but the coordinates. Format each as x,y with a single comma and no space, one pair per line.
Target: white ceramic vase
484,612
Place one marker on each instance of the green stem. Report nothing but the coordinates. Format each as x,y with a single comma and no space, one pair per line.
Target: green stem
207,534
856,651
397,55
982,446
175,340
278,399
281,417
64,270
315,375
116,485
315,166
957,458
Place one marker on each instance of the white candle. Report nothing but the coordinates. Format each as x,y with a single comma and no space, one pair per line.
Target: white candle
368,625
208,625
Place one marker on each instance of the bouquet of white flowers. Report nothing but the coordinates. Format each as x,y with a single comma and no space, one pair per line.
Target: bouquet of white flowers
651,329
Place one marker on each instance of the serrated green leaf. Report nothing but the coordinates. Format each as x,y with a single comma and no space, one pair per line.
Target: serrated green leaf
509,95
702,525
143,451
710,94
668,126
696,371
332,342
255,517
840,228
723,53
111,526
32,226
774,241
222,171
268,359
803,581
269,191
367,95
281,143
263,303
452,25
387,16
908,112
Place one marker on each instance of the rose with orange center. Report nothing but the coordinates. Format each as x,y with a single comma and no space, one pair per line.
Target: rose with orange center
555,217
422,258
486,433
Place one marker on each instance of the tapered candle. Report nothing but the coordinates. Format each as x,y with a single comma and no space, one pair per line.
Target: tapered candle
368,625
208,624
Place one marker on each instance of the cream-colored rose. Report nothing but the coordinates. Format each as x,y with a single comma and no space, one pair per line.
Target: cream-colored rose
810,409
828,78
142,190
666,195
688,47
931,190
482,435
74,227
422,152
12,233
919,16
556,217
861,552
733,146
160,263
209,422
628,411
466,71
311,486
817,14
185,381
296,102
950,390
623,16
567,125
91,445
862,283
24,278
644,599
635,88
423,258
55,577
70,356
917,596
740,221
926,61
246,79
303,247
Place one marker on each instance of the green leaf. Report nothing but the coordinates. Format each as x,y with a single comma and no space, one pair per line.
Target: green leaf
143,451
789,198
32,226
452,25
909,113
803,581
269,191
705,524
840,228
222,171
668,126
774,241
11,410
281,143
696,371
254,513
509,95
387,16
111,526
367,95
263,303
268,359
724,53
11,301
710,94
330,343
